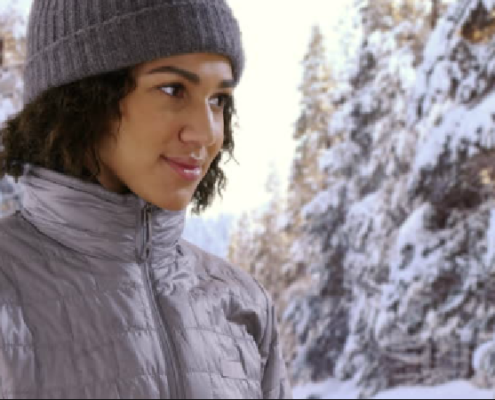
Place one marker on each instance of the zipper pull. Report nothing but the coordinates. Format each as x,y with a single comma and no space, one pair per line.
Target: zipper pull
147,232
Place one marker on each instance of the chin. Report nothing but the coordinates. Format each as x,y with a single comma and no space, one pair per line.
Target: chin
174,208
171,206
164,200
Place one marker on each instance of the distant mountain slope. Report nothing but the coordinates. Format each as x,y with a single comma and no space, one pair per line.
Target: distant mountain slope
210,234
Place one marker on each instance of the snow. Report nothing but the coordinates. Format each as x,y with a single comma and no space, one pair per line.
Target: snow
415,277
333,389
480,355
463,128
6,110
389,255
317,206
450,92
412,233
490,254
453,390
489,4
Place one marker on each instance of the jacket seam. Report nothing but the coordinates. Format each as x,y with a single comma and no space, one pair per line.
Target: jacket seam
239,283
270,393
37,375
214,373
101,383
232,276
62,343
248,339
75,296
204,341
266,311
9,302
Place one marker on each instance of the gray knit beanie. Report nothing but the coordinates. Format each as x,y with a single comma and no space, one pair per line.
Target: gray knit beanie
69,40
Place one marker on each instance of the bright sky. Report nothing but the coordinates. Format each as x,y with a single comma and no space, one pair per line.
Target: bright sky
276,34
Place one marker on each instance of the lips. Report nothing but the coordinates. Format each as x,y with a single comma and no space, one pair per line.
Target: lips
189,172
186,163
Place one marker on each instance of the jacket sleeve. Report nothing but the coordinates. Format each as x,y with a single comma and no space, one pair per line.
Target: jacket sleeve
275,381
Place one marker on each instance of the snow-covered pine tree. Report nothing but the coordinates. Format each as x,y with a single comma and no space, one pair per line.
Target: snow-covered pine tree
438,307
259,244
267,251
241,242
394,36
356,217
12,53
306,178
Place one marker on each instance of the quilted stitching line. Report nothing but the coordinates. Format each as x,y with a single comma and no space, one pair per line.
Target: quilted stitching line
204,341
247,339
217,374
63,343
130,285
102,384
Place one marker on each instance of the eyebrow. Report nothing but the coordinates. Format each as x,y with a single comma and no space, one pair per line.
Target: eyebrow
190,76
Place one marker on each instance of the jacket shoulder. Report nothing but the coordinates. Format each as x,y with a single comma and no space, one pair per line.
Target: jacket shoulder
275,383
18,239
238,280
9,247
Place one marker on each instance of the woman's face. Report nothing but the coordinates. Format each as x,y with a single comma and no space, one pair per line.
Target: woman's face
176,112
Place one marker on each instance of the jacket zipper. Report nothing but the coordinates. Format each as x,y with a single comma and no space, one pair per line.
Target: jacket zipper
164,335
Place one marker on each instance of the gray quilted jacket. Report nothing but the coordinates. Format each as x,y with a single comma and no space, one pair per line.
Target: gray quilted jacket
101,298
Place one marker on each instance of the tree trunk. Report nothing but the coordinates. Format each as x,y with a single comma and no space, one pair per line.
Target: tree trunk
435,13
1,51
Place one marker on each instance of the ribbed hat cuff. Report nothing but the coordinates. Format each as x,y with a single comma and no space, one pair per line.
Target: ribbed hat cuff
135,38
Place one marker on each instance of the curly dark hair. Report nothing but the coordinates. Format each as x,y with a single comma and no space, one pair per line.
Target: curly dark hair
62,128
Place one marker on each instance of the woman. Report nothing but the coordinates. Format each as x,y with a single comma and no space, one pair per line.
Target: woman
128,108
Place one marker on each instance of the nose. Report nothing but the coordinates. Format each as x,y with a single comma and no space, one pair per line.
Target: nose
203,126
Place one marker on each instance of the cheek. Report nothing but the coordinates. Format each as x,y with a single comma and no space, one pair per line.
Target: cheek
216,150
145,137
107,150
145,125
221,139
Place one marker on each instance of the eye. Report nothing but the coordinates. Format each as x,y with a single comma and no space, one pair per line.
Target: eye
173,90
222,100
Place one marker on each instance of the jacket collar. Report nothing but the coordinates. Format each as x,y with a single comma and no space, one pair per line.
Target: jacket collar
89,219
